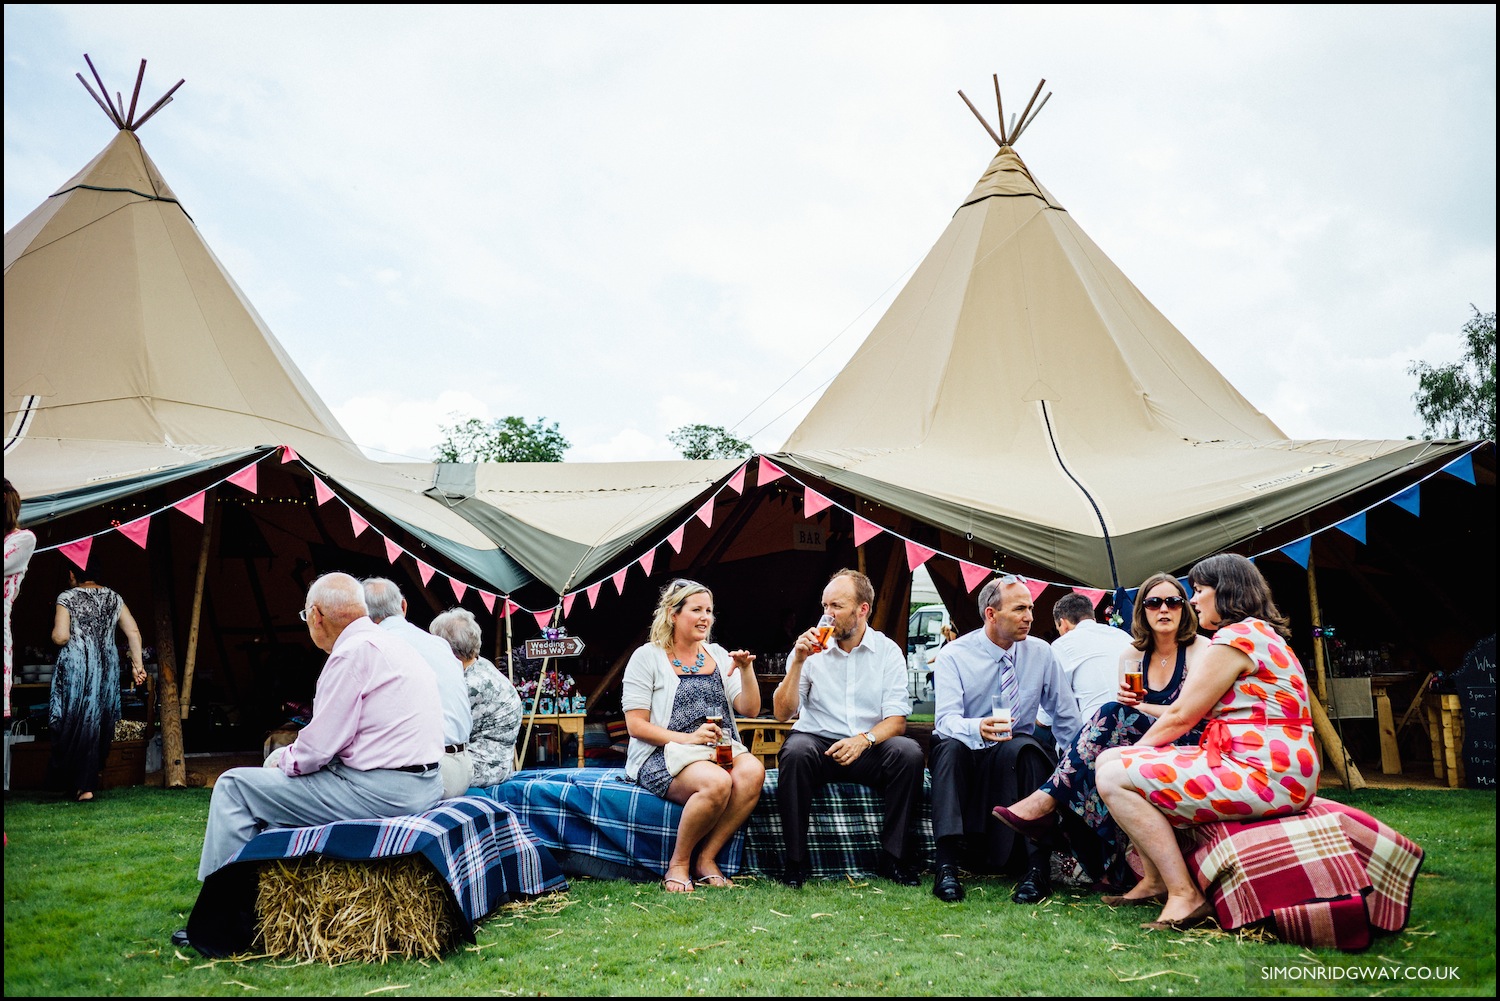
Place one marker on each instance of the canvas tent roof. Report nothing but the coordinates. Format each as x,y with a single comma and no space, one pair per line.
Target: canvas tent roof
131,356
572,523
1021,391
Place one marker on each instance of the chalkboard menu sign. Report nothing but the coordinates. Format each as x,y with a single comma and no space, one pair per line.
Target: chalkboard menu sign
1475,685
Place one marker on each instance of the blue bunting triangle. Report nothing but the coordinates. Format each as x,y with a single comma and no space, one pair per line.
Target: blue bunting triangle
1410,499
1299,552
1353,527
1462,467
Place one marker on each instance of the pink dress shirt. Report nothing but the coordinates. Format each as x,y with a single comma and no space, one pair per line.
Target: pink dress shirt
376,707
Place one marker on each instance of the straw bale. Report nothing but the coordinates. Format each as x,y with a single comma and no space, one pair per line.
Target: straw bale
332,911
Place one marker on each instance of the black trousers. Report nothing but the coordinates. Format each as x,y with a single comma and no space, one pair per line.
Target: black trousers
892,767
967,783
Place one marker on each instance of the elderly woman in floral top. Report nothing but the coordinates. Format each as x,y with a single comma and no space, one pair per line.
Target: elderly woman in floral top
492,698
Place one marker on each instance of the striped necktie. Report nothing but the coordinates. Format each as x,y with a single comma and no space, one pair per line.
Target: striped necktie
1008,687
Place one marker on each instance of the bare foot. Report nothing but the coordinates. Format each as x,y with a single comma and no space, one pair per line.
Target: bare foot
709,874
85,797
1183,907
677,880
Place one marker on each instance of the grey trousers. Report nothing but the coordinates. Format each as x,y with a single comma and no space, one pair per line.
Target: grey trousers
457,770
246,801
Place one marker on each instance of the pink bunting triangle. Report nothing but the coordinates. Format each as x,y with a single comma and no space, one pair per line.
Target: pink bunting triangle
593,592
289,454
136,530
357,523
619,579
864,530
768,472
392,551
675,539
511,607
706,513
78,551
568,603
246,478
488,599
1036,587
916,554
459,587
648,561
543,618
737,481
974,574
426,572
192,507
1092,594
813,502
321,491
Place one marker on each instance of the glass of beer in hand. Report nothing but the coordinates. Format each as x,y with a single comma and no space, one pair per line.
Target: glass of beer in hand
825,630
723,750
1136,682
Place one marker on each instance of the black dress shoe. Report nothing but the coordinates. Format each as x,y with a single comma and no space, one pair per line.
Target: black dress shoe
897,871
180,939
947,886
795,874
1036,887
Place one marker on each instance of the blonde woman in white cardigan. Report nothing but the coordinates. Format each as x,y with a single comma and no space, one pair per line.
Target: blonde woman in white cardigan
681,694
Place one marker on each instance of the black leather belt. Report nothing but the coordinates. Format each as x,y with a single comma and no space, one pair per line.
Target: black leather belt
417,769
454,748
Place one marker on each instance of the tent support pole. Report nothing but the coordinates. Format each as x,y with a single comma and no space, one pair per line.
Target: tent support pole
174,762
191,657
1319,664
1335,756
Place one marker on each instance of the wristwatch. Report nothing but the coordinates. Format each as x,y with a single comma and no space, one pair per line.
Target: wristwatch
870,737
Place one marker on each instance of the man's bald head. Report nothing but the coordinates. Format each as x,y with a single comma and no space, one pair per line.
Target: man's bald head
339,597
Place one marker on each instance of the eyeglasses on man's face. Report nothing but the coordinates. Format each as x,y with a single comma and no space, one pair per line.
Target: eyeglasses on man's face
305,612
1172,602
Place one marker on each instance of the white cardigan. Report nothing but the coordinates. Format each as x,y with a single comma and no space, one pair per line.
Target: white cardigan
651,684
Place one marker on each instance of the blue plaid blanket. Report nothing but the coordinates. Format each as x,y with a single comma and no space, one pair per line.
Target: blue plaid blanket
589,815
477,846
843,836
585,814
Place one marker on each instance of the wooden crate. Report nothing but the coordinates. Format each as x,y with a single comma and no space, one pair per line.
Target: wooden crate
125,766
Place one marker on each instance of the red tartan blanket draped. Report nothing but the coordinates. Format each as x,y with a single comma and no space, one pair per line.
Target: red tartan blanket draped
1326,876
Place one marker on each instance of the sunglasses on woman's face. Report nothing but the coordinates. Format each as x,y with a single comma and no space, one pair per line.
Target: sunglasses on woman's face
1173,602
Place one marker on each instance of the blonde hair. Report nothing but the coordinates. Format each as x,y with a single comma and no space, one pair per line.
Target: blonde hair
672,598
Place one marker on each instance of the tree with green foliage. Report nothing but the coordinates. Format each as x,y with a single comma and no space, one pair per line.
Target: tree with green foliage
508,439
1458,400
708,441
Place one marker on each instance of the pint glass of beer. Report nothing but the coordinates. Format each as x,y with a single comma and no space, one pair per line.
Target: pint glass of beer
825,630
1136,682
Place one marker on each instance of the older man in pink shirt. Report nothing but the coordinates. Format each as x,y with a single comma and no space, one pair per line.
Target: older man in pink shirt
372,747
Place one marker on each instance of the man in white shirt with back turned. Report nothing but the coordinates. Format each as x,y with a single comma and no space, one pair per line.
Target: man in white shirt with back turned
853,704
1089,651
388,610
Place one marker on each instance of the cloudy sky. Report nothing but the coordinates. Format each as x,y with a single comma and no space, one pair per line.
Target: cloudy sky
630,219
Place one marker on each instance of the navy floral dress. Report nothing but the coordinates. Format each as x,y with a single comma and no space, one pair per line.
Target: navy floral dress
698,697
1073,784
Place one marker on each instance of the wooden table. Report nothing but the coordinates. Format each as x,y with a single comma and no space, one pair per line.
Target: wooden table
565,722
764,737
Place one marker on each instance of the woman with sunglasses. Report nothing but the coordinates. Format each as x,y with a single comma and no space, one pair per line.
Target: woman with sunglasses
1256,759
682,692
1164,649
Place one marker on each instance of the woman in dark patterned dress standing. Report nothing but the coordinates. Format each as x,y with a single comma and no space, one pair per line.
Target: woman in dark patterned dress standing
85,700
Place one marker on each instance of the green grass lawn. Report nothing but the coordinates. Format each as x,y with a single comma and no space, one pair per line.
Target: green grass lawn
92,893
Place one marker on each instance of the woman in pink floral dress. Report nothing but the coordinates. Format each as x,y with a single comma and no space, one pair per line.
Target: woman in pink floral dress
1256,759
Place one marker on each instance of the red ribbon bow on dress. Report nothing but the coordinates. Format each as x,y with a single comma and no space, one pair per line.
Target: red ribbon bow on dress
1216,739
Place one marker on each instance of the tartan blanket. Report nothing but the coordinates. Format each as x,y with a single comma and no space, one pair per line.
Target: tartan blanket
582,813
843,836
483,854
595,813
1326,876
